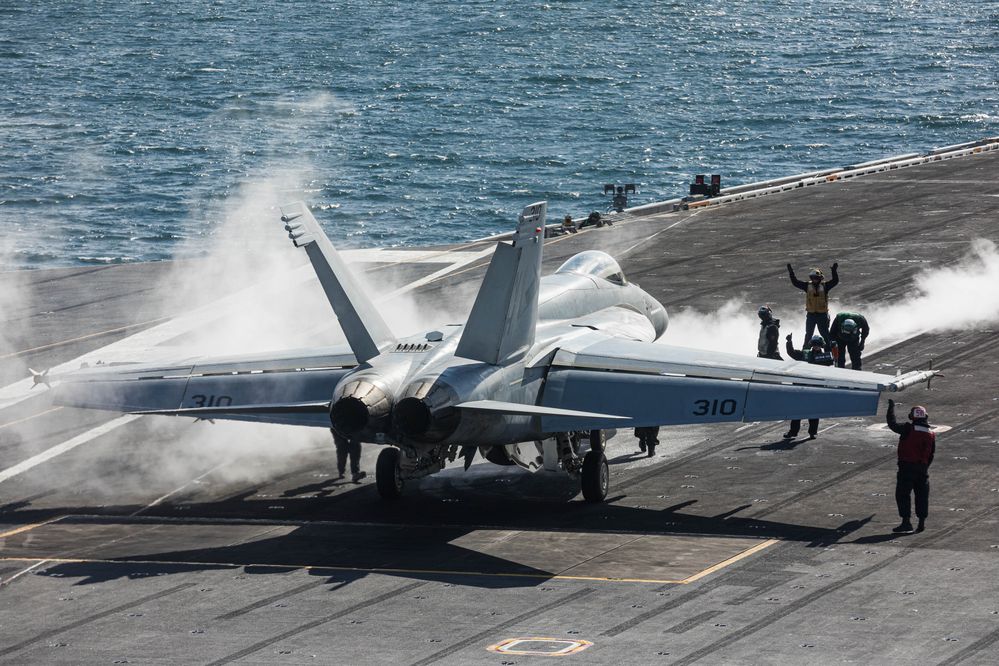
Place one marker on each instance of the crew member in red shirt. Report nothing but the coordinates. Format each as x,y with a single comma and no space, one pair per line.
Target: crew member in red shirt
916,445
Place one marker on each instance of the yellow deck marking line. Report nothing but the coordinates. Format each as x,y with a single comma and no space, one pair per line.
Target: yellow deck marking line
28,418
8,581
26,528
309,567
394,570
68,445
84,337
732,560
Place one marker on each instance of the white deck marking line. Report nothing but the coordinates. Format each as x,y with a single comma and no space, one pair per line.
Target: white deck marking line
68,445
648,238
450,268
8,581
163,498
84,337
28,418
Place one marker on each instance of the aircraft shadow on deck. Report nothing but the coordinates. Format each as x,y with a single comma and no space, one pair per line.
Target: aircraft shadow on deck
422,537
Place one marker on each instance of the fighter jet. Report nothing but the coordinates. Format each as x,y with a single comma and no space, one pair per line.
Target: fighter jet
539,371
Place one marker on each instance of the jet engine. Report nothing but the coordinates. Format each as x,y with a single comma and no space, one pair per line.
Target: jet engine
427,412
361,404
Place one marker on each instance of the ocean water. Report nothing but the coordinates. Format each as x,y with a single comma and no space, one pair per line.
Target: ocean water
130,130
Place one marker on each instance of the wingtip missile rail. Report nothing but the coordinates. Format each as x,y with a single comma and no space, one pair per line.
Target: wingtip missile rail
903,382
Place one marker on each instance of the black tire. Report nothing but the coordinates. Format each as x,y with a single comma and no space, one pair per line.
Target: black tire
497,455
387,474
596,477
597,440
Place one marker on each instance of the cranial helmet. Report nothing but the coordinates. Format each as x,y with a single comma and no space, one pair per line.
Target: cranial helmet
918,412
765,312
849,325
815,273
817,340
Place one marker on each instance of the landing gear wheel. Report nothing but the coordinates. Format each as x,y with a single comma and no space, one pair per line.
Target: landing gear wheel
597,440
387,478
596,477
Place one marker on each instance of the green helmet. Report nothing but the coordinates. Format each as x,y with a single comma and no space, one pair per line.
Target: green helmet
849,326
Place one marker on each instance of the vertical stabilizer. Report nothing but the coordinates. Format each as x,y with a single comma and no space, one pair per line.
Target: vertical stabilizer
505,315
366,331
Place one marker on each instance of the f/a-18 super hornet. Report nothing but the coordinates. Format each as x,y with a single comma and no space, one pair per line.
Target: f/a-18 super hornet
539,371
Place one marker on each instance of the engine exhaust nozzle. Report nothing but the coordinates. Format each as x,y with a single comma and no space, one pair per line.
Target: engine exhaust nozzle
359,406
428,413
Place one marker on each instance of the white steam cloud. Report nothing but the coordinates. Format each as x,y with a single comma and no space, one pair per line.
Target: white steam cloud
949,298
944,299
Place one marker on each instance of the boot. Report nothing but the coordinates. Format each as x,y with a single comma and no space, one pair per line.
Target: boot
922,525
356,478
652,447
641,445
339,474
790,435
904,528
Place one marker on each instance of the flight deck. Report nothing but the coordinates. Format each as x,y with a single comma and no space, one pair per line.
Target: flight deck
153,539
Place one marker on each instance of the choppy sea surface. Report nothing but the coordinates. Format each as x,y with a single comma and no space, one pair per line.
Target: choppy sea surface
130,131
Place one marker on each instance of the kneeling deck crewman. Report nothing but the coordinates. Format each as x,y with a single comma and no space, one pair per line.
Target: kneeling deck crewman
916,446
849,333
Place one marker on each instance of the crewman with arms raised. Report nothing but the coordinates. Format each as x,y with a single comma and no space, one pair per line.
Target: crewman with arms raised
815,353
916,446
816,299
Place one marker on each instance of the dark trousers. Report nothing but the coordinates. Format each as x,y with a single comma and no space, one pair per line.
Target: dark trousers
854,349
912,477
820,320
344,448
647,435
813,427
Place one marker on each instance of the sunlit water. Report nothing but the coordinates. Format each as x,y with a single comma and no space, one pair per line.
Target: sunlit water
128,128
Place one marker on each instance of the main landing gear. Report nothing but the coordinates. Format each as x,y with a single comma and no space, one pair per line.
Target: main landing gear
595,474
394,467
387,477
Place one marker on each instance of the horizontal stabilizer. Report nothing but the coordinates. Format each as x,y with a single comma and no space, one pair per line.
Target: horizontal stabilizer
285,408
500,407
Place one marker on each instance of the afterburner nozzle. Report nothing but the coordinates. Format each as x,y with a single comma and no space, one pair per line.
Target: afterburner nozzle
428,413
359,405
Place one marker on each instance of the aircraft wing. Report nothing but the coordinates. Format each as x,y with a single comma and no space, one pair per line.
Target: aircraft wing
654,384
292,387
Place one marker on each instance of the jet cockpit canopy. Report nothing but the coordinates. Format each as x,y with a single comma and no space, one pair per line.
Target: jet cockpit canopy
595,263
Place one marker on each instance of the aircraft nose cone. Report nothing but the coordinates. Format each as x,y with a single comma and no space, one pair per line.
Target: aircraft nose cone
359,405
